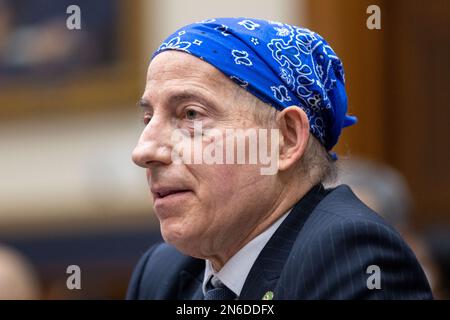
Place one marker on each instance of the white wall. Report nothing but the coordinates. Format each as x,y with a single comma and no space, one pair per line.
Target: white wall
74,167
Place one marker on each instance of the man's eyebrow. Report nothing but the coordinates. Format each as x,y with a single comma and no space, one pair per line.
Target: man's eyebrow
188,95
179,97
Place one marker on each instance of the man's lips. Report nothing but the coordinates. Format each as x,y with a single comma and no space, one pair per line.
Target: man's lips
163,192
167,200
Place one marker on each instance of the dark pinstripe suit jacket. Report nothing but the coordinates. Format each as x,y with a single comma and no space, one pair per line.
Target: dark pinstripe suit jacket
321,251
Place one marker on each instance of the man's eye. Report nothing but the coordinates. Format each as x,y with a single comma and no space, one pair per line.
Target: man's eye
191,114
146,119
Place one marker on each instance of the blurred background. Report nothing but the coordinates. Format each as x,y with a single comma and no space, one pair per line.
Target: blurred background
70,194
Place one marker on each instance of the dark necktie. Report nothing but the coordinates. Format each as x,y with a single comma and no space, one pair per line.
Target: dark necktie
220,292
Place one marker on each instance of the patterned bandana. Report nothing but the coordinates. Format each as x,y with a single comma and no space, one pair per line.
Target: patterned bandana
282,65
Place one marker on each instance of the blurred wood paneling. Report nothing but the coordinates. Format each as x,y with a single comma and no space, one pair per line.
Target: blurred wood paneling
418,95
397,81
343,25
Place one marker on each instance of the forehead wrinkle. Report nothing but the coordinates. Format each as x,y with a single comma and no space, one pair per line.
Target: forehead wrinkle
174,69
171,62
187,71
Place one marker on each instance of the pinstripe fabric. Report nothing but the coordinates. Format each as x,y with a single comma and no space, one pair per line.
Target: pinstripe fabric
321,251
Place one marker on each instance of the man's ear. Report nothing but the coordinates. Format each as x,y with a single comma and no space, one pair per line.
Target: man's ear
294,134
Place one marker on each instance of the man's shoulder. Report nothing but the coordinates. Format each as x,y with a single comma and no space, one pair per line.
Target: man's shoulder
340,207
157,272
338,244
341,219
341,203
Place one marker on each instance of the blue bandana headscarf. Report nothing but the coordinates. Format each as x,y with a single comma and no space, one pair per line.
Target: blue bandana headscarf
282,65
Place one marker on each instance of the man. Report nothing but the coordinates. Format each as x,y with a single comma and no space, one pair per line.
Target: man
232,230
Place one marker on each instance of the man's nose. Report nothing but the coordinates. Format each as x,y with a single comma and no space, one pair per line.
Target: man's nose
154,146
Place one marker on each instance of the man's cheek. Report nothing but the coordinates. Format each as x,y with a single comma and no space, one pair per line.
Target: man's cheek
216,178
227,180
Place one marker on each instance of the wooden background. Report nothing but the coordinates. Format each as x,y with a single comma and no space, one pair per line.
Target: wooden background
398,85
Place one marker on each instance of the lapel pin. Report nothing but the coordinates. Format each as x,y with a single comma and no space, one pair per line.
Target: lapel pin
268,295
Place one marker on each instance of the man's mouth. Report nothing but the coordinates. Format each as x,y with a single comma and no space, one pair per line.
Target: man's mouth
161,193
166,200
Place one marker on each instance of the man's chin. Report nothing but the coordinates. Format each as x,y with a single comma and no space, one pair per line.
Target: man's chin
183,241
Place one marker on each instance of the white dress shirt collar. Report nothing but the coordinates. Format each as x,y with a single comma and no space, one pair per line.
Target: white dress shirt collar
235,271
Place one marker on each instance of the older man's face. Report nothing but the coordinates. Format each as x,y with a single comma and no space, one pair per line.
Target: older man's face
202,208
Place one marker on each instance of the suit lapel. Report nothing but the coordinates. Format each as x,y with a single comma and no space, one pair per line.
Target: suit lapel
267,268
191,280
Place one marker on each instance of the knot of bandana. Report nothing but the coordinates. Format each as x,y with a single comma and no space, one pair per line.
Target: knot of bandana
281,64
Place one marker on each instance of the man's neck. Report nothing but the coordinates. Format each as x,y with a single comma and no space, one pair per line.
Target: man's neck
286,201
